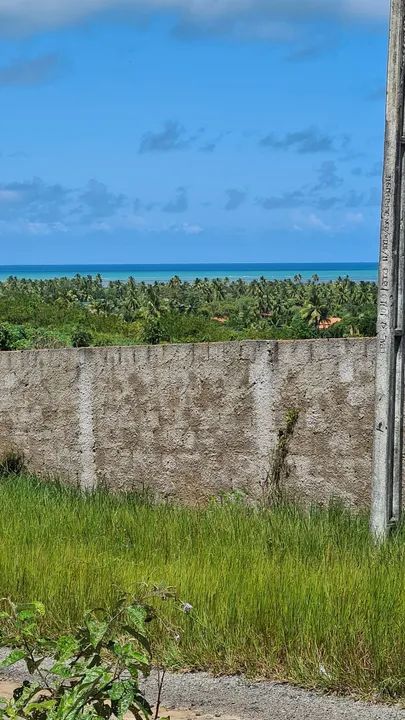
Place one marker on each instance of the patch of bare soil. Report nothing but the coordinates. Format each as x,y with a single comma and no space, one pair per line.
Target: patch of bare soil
7,688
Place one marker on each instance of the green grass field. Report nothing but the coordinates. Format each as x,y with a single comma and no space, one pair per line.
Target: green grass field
303,597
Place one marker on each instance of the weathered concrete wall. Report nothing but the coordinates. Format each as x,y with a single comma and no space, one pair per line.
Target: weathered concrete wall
191,421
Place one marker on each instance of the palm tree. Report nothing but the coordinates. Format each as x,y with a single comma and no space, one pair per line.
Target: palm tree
314,314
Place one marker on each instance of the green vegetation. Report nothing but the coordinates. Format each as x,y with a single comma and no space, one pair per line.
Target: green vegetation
92,672
83,311
277,592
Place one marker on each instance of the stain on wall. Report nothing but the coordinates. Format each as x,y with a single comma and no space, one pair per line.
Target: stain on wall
192,421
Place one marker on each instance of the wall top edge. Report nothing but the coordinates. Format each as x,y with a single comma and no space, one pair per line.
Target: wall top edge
156,348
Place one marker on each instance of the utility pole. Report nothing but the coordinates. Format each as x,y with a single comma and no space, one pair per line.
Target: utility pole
389,413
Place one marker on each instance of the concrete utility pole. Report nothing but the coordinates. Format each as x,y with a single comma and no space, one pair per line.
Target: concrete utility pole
389,419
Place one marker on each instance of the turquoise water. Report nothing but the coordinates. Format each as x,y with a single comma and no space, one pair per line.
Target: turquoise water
162,273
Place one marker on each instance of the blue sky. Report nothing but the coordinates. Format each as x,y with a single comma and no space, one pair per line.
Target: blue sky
191,130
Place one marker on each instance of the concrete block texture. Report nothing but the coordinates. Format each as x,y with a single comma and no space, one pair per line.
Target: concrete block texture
188,422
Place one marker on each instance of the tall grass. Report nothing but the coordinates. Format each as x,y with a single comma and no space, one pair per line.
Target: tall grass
282,593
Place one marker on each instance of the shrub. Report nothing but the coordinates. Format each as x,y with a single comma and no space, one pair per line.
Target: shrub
92,672
154,331
41,338
81,337
179,328
245,313
5,338
10,335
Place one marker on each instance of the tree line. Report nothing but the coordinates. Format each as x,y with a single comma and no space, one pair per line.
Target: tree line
84,310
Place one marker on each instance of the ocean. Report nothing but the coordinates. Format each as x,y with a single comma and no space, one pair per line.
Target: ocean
163,273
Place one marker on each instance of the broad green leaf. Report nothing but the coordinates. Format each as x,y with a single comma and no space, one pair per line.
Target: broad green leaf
128,651
122,694
61,670
97,630
27,614
66,647
136,616
14,657
91,675
47,704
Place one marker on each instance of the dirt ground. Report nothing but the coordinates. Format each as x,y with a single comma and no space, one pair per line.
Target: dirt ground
199,696
7,688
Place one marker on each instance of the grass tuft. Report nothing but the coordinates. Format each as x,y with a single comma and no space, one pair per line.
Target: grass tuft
12,462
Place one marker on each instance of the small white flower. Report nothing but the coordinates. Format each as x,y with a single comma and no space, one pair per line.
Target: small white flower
177,638
187,608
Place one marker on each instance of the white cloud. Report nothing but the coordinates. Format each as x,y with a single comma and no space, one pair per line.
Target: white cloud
26,227
191,229
187,228
264,18
41,228
315,222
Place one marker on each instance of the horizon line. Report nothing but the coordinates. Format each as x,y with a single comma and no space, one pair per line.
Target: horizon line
192,264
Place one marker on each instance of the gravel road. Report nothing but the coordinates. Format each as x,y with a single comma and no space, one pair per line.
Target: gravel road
199,696
237,698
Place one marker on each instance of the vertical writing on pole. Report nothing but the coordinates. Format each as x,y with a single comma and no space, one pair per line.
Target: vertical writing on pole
388,431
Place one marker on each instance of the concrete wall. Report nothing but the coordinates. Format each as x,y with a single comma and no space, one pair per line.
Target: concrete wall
190,421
